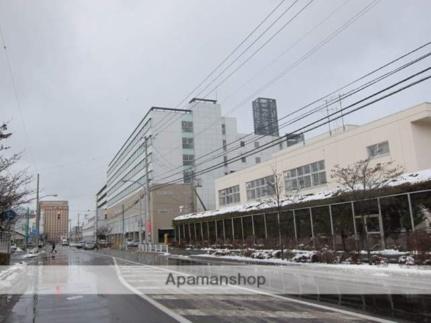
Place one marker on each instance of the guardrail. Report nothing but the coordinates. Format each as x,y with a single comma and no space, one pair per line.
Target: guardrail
153,247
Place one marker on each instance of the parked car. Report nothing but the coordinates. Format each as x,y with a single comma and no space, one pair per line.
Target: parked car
64,242
75,244
89,245
131,243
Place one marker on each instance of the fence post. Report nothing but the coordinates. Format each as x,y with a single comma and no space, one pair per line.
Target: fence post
264,224
332,226
411,212
233,230
224,232
215,228
242,230
294,225
252,228
382,230
312,228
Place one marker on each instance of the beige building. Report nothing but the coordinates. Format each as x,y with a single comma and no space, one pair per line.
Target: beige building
403,137
55,219
166,202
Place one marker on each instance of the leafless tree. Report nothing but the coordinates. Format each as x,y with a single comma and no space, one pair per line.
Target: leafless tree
13,191
363,176
277,191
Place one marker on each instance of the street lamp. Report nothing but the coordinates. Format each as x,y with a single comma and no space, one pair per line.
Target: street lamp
38,198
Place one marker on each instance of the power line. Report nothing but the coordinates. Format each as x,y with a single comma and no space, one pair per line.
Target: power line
232,52
332,93
312,51
304,129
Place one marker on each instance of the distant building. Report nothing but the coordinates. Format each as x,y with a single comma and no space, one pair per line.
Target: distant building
265,117
167,142
89,228
55,218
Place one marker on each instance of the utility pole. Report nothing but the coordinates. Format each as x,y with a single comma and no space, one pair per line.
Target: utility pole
37,212
124,234
329,120
341,112
96,226
78,231
27,228
148,217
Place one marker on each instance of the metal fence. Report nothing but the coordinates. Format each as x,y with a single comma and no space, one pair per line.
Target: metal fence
376,223
5,241
153,247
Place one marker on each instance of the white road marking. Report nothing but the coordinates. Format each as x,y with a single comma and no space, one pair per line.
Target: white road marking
293,300
156,304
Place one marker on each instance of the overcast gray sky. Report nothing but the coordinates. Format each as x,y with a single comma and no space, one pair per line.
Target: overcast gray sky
86,71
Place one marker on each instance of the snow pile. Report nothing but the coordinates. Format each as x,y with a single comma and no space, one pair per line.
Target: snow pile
411,178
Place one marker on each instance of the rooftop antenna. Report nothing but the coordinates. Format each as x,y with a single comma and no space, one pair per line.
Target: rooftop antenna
329,120
341,112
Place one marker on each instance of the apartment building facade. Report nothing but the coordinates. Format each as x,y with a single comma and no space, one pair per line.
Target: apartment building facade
404,138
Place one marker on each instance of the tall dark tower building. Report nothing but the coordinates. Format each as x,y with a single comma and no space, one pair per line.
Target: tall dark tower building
265,117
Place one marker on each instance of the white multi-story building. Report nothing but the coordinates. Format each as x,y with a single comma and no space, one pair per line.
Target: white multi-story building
403,138
175,146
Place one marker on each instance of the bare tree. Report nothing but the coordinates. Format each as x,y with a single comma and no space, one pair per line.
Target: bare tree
363,176
13,190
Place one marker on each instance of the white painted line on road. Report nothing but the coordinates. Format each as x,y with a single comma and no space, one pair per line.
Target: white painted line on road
156,304
293,300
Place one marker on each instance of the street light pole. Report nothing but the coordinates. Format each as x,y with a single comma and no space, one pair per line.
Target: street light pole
37,211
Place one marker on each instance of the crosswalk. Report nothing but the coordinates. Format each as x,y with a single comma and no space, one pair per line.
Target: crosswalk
230,305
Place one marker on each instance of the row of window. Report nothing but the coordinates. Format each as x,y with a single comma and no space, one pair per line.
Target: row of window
137,153
260,187
187,126
306,176
309,175
188,160
135,141
229,195
187,143
380,149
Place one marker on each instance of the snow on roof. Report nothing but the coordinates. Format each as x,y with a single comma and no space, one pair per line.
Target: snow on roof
411,178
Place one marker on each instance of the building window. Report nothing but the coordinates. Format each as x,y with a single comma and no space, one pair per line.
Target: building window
224,145
242,144
223,129
229,195
187,143
260,187
256,144
188,160
187,126
380,149
187,176
243,159
258,160
306,176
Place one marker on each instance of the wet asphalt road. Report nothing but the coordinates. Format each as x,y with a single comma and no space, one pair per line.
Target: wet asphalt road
81,308
133,308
